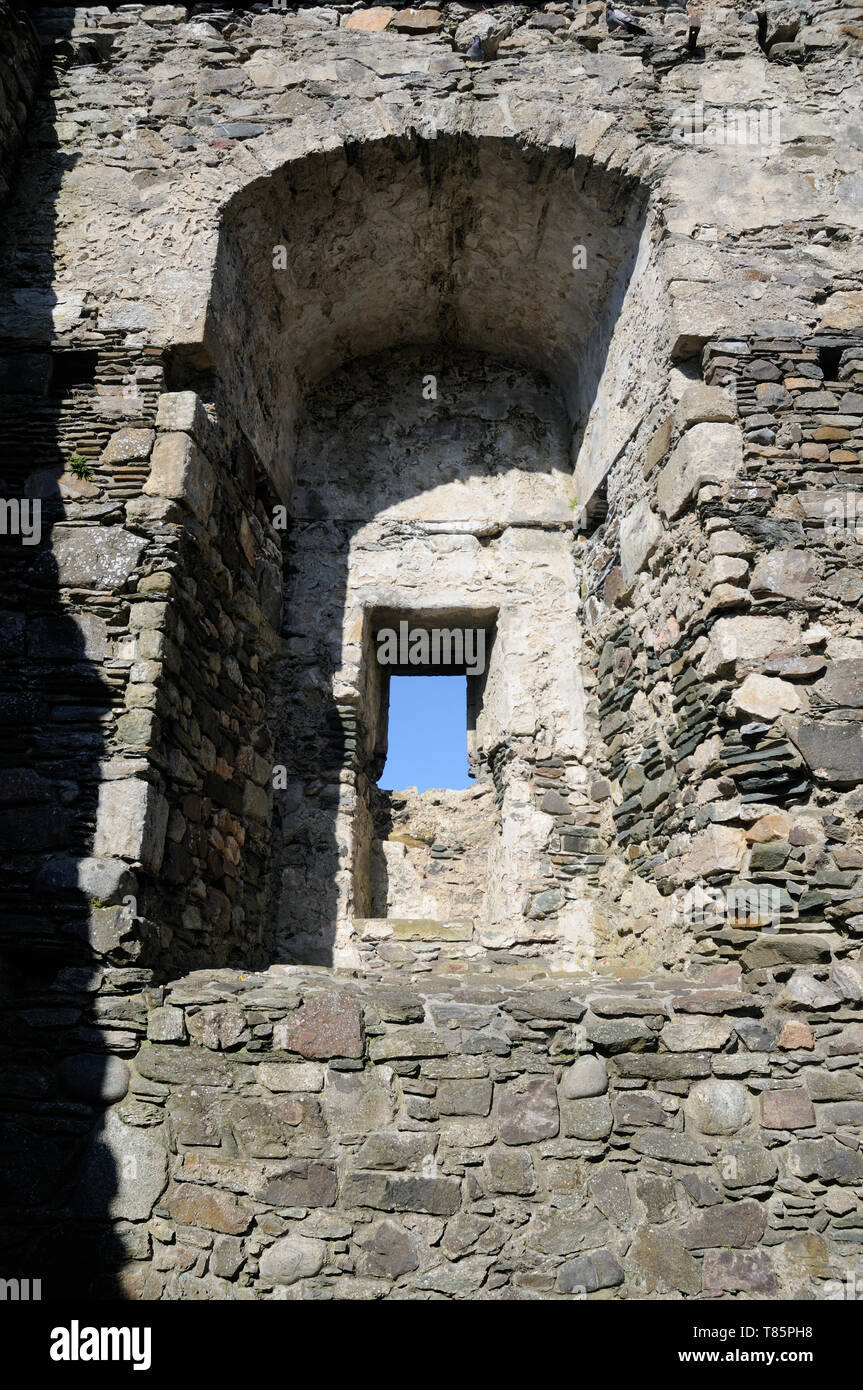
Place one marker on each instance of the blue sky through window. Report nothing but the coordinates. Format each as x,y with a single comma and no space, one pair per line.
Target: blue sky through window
427,733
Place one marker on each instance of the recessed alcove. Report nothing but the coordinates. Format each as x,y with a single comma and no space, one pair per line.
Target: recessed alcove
436,385
444,514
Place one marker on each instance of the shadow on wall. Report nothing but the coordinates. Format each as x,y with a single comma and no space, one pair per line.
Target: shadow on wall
443,246
54,701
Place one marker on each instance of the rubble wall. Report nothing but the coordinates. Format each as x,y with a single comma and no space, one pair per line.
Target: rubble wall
154,371
295,1135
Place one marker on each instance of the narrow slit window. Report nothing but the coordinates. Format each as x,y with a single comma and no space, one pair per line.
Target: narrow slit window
427,734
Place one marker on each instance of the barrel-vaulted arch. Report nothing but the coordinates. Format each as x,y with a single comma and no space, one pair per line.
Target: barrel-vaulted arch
460,244
470,246
481,242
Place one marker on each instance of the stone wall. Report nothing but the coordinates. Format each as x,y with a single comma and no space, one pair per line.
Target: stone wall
492,1136
725,623
146,645
212,215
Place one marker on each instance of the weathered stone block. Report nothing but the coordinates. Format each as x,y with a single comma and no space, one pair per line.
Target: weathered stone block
832,1085
291,1076
292,1258
805,991
765,697
587,1119
464,1097
205,1206
588,1273
658,1196
735,1224
700,403
396,1149
718,1107
716,849
407,1043
707,453
91,557
826,1159
528,1110
227,1257
325,1025
371,20
510,1171
658,446
695,1034
183,412
389,1192
166,1024
356,1103
841,1112
127,444
833,751
182,1064
616,1035
460,1280
670,1148
554,1232
787,1109
785,574
302,1184
610,1194
664,1263
123,1173
388,1250
640,532
179,470
131,821
743,640
747,1165
842,684
666,1066
635,1108
843,310
739,1271
416,21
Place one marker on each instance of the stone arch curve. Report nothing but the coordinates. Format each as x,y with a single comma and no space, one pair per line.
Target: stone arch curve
529,249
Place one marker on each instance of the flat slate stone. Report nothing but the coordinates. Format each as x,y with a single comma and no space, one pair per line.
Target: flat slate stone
833,751
842,684
739,1271
826,1159
425,929
326,1025
388,1192
670,1148
733,1224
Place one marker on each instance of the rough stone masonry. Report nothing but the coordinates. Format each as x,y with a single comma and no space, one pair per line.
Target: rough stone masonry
314,319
